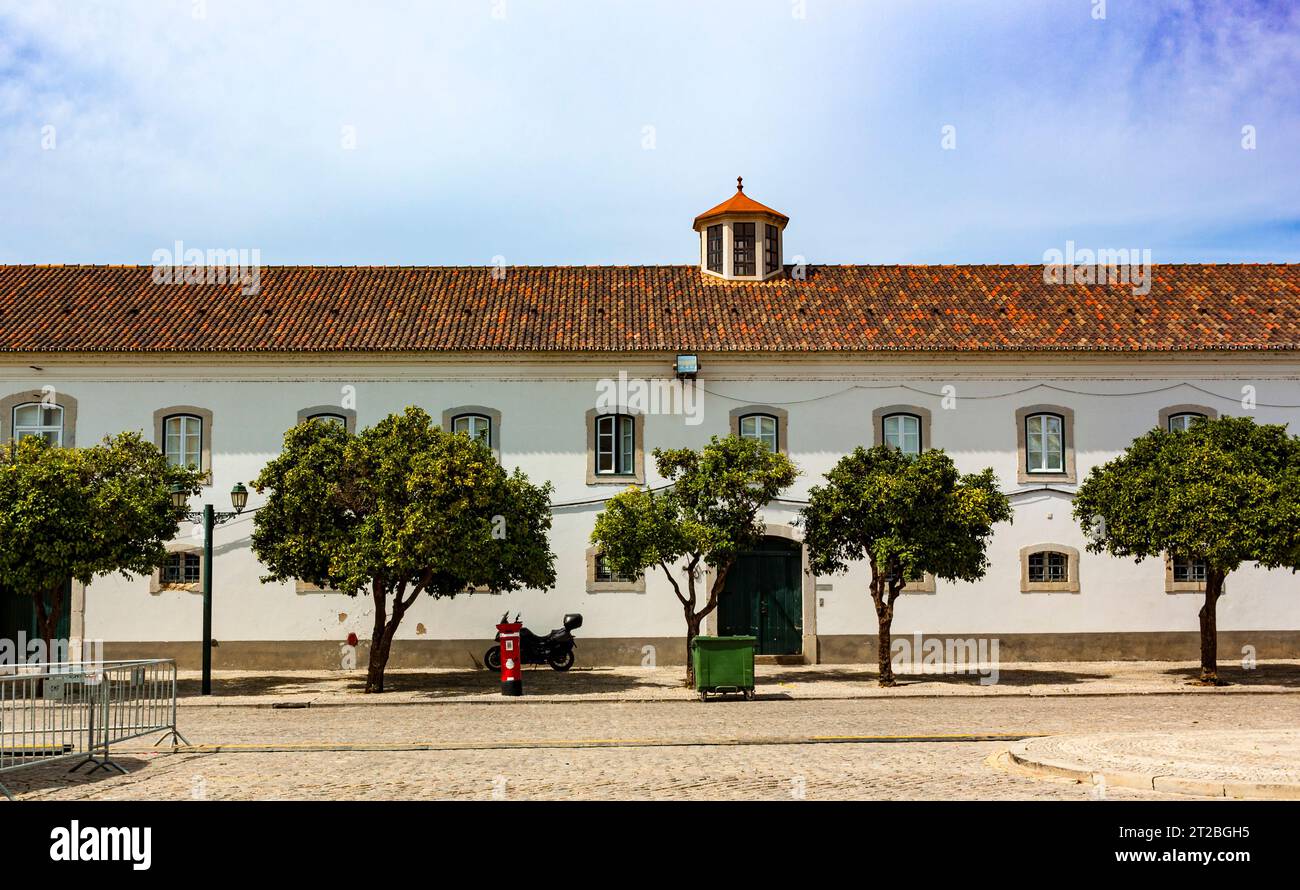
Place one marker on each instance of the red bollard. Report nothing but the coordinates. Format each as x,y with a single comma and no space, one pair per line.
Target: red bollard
512,669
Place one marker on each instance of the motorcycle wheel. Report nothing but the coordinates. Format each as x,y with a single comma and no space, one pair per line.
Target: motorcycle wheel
492,659
561,661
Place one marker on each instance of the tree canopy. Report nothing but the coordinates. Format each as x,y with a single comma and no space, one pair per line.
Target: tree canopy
401,508
907,516
77,513
1224,492
704,518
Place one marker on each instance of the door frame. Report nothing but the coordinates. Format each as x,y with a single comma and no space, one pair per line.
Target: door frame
808,592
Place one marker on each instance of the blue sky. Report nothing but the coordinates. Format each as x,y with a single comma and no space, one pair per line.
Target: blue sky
518,128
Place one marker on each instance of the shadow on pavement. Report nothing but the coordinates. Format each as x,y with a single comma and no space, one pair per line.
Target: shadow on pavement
256,684
1006,677
1235,675
539,681
55,775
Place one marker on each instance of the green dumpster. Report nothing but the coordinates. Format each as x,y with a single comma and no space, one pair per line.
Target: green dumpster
723,664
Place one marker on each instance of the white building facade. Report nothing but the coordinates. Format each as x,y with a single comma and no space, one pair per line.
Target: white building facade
181,370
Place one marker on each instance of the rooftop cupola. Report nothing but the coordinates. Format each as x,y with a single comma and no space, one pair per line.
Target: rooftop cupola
740,239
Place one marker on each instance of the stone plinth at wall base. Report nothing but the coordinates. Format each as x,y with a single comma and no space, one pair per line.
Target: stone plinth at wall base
330,654
671,651
781,659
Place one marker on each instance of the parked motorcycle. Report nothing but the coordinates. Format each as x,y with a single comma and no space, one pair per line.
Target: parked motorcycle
555,649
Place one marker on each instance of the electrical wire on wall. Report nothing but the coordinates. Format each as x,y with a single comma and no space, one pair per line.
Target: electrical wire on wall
1003,395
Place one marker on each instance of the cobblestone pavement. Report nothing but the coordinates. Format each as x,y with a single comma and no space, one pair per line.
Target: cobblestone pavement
1263,756
769,749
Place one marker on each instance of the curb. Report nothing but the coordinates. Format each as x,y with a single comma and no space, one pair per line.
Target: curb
1211,788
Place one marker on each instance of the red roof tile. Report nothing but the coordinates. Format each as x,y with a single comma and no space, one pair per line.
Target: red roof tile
647,308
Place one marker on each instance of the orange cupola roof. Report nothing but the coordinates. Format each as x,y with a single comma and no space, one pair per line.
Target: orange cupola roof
739,203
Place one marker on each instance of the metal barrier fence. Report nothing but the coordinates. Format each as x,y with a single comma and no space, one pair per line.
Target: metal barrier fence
78,710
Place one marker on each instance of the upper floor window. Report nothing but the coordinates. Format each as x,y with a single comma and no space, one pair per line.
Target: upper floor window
1048,567
41,420
615,444
476,426
1045,443
1184,421
183,440
762,427
1177,418
902,431
714,249
771,251
333,414
742,248
1189,570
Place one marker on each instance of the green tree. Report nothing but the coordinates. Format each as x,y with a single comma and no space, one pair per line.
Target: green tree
401,508
78,513
1224,492
906,516
706,517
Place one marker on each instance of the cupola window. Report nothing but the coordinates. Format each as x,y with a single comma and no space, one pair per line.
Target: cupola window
742,248
715,249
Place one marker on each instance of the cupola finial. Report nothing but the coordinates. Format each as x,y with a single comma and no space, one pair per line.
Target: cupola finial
740,183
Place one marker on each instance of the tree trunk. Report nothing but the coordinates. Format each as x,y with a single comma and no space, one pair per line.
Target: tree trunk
1210,628
379,643
692,631
884,619
885,616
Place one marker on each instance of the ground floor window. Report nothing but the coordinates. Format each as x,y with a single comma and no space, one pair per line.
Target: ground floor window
1048,566
1189,570
606,573
181,568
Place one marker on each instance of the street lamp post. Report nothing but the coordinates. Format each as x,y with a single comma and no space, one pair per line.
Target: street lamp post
210,519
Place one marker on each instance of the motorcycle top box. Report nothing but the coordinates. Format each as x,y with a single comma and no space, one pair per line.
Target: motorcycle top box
572,621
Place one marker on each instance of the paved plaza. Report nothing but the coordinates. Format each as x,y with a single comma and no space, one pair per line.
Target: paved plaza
814,733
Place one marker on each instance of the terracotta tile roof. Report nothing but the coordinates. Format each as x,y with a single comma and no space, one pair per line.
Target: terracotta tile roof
647,308
739,203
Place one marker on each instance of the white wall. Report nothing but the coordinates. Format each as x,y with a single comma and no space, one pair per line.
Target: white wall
543,403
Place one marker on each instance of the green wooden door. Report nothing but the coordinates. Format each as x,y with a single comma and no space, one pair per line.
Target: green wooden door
18,613
763,598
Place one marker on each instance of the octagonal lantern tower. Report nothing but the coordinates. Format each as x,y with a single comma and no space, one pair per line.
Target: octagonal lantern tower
741,239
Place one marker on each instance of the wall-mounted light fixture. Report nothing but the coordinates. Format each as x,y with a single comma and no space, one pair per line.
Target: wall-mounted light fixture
688,365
